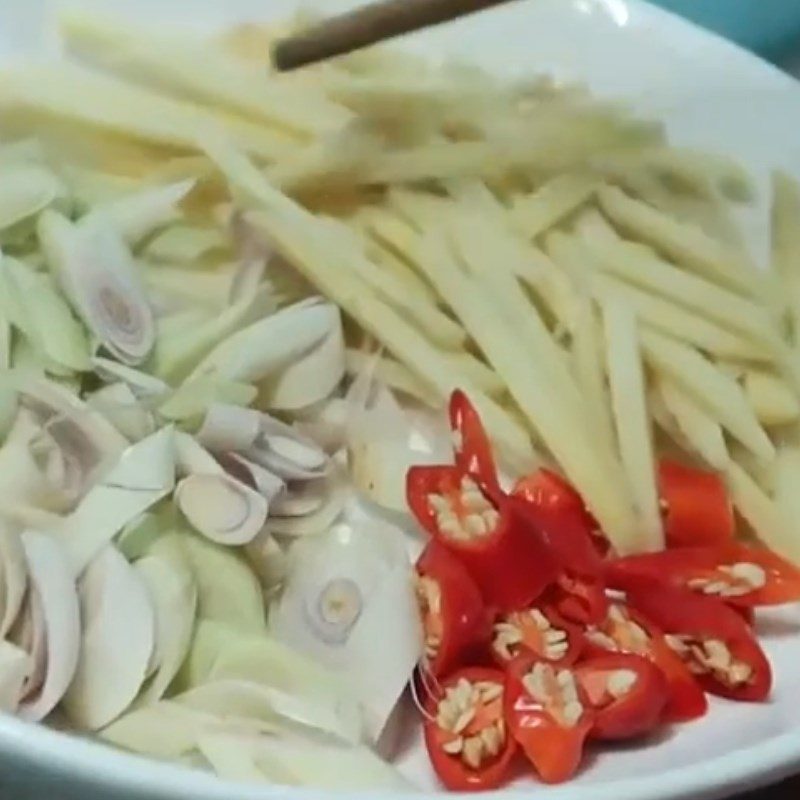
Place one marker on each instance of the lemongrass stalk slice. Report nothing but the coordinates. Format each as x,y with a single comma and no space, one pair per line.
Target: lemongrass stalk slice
176,287
252,700
173,592
15,668
300,499
100,278
268,561
26,191
48,320
168,730
286,452
227,427
53,587
26,516
211,640
325,423
228,591
8,393
231,756
179,355
195,397
140,213
13,577
117,641
182,243
138,537
142,384
269,485
311,378
342,590
221,508
191,458
22,151
86,438
120,406
326,765
271,344
22,481
143,475
320,520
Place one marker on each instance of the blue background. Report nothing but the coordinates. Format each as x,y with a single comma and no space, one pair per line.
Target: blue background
771,27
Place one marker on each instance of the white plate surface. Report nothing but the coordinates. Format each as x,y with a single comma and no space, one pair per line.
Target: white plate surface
710,94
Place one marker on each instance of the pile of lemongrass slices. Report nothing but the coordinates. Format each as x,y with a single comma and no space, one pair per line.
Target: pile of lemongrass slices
185,570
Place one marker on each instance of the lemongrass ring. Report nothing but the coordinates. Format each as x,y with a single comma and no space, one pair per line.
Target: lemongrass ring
221,508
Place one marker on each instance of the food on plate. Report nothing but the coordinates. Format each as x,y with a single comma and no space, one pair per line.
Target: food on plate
378,395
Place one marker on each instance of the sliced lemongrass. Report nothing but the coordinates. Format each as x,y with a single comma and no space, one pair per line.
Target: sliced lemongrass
13,578
168,730
181,354
320,520
221,508
25,191
176,287
116,644
22,481
173,593
143,475
325,423
53,586
268,561
8,393
100,278
341,590
48,321
139,535
191,458
138,214
271,344
227,427
228,591
325,765
211,639
269,485
300,499
142,384
120,406
286,452
231,756
260,701
15,668
182,243
85,436
310,378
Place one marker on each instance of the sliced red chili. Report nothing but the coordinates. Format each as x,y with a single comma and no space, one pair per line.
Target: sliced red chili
628,694
697,508
549,716
558,511
466,737
503,553
624,630
714,641
580,599
539,632
473,451
455,620
735,573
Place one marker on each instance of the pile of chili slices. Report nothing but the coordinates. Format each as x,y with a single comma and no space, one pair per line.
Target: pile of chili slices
538,639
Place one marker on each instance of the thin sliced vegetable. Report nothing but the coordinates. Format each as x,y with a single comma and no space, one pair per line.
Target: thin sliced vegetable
116,644
626,377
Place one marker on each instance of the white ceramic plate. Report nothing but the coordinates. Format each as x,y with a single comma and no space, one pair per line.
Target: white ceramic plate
710,94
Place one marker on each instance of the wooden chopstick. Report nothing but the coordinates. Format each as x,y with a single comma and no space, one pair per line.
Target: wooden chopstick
369,25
